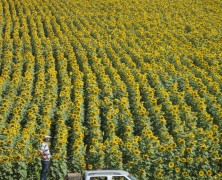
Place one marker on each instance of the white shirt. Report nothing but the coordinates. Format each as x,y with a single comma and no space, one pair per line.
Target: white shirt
45,150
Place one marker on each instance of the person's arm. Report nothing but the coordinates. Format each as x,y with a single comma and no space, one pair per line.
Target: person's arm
42,152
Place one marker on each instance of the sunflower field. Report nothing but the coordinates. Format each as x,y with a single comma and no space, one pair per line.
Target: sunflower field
118,84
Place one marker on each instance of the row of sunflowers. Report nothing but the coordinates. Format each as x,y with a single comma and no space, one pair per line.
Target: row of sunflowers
130,84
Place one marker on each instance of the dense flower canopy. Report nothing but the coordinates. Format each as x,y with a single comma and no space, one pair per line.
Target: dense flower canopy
118,84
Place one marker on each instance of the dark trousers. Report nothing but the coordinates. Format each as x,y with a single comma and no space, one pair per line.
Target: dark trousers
45,167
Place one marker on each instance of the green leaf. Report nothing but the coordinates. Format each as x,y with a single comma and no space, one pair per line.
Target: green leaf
22,173
22,164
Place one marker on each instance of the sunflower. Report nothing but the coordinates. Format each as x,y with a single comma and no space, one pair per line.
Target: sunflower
121,142
128,128
136,152
174,145
215,153
189,150
114,143
183,160
203,147
142,171
177,169
182,141
111,125
131,163
209,173
109,116
160,160
5,159
114,150
75,147
170,148
192,143
216,140
215,127
90,166
18,157
128,146
163,121
162,148
201,173
159,175
9,142
102,153
199,159
56,156
145,156
184,174
171,164
177,158
83,165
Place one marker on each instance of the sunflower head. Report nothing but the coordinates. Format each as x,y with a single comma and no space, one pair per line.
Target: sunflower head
201,173
171,164
177,169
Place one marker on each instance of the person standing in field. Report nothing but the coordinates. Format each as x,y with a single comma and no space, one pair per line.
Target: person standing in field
45,157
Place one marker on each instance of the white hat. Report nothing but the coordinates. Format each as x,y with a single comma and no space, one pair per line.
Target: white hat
47,137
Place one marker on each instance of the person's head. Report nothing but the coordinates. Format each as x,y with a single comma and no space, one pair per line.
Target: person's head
47,138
